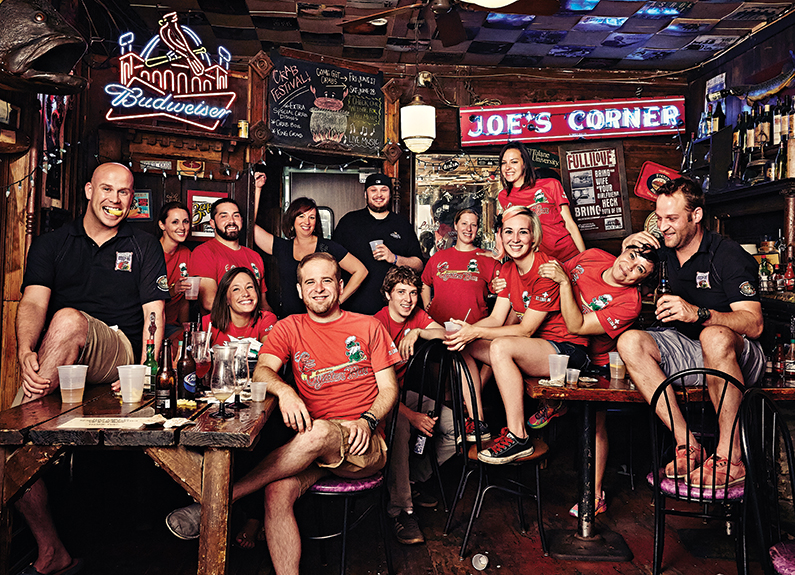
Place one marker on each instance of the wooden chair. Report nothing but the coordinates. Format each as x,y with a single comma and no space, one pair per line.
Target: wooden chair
350,490
700,419
767,449
489,475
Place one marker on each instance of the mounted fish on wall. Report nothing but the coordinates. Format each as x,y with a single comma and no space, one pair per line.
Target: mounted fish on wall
38,49
757,92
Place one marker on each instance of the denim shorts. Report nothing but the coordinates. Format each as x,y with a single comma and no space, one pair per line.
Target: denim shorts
679,352
578,354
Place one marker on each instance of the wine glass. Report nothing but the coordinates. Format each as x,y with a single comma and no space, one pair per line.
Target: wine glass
201,354
222,379
241,371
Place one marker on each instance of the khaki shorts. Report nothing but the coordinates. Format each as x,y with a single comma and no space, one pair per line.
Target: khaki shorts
350,466
104,350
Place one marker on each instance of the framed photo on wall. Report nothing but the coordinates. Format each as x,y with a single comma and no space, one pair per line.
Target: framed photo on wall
141,208
596,182
200,203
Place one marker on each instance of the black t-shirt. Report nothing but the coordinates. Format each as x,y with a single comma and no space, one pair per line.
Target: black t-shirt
355,232
717,275
288,268
109,282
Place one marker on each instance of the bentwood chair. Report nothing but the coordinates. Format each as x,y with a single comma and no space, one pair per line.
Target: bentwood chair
716,500
349,491
490,476
767,449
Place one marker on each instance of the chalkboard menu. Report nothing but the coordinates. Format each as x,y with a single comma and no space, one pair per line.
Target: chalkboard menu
323,107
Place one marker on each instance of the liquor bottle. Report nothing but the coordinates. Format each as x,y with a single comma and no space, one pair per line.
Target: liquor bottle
785,117
778,279
778,359
757,126
766,127
789,277
664,287
791,121
777,124
750,131
780,169
708,121
166,382
701,132
186,370
151,367
687,158
738,134
789,365
764,275
718,118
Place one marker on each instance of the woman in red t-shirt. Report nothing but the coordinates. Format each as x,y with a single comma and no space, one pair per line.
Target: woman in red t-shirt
459,276
524,328
236,313
562,239
174,222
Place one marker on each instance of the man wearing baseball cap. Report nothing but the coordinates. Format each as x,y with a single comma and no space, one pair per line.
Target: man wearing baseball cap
373,224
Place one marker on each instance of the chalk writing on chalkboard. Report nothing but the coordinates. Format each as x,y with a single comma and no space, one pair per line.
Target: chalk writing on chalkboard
321,106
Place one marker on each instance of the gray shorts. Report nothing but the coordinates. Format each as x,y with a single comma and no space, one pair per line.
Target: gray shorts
679,352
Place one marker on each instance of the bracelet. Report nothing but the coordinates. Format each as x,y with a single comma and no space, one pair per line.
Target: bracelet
395,259
372,420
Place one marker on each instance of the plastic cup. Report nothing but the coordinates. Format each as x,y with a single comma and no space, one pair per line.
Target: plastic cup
72,381
258,390
557,366
572,376
617,368
450,328
374,244
131,378
193,291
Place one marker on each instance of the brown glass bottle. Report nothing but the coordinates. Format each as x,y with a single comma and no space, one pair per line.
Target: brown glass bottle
186,370
664,286
166,384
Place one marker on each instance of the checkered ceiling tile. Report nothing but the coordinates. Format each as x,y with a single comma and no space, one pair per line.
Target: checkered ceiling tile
588,34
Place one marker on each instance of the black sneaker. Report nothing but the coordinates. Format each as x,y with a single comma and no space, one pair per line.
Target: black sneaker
507,448
422,499
485,434
407,530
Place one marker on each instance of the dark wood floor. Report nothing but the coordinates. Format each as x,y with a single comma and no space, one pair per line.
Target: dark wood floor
110,508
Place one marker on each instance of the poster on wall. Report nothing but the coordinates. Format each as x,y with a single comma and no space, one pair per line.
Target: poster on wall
200,204
596,182
141,208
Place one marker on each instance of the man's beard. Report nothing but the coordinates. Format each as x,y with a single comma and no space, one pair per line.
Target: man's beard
228,236
378,210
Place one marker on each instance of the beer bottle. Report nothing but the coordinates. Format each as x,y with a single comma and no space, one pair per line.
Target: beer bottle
664,286
778,360
151,367
186,370
789,365
166,382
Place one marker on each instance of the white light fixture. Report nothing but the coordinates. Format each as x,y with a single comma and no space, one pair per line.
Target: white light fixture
417,125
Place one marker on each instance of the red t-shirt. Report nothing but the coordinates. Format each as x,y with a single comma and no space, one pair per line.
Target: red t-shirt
213,259
177,265
548,196
417,320
616,308
256,331
334,363
530,291
460,282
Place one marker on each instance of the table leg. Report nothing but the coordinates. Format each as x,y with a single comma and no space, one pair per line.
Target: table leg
588,544
5,517
216,499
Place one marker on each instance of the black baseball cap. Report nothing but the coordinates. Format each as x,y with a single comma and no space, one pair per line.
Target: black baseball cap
378,180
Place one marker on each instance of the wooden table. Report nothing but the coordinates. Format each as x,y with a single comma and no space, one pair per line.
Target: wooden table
198,457
586,543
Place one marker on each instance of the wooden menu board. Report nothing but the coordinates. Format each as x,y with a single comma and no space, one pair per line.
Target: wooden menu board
323,107
596,183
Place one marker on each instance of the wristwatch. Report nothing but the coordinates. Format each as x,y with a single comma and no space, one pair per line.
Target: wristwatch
703,314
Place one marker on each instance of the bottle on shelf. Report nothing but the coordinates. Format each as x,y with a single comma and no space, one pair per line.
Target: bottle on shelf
777,123
780,168
687,158
738,134
757,127
791,120
765,274
789,277
778,279
664,285
702,131
718,118
151,367
186,370
789,365
785,117
779,355
166,382
708,121
766,127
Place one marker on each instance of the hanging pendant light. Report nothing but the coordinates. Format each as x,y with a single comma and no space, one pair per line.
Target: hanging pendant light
418,125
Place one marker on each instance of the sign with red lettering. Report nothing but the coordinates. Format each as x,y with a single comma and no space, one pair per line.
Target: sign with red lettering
561,121
595,180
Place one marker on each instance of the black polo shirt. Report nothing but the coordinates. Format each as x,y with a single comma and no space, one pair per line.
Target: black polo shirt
354,233
717,275
109,282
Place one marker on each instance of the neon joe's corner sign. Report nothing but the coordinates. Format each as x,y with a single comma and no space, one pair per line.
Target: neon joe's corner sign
560,121
172,77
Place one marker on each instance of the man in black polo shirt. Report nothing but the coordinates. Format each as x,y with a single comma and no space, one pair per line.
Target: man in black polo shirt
94,281
712,321
376,222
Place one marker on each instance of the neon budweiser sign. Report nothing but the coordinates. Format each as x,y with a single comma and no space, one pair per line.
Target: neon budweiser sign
172,77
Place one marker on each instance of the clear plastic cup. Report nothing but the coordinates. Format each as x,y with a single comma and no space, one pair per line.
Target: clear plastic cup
572,376
258,390
450,328
72,381
131,379
193,291
617,368
557,366
374,244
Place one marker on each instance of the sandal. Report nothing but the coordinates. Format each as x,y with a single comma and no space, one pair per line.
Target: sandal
249,535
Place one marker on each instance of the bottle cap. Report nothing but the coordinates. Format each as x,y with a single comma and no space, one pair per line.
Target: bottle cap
150,342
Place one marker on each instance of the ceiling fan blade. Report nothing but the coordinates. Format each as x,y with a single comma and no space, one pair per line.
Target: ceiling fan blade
527,7
382,14
450,28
